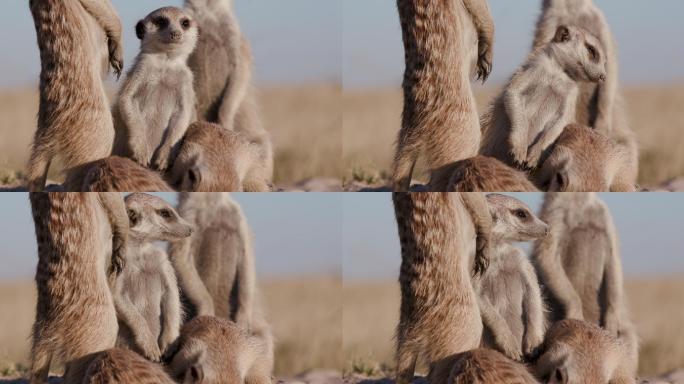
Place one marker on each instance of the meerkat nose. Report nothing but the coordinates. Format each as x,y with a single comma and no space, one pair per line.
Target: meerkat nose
602,77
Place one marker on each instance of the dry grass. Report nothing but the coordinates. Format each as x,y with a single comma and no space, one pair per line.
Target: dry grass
304,313
305,123
371,312
372,120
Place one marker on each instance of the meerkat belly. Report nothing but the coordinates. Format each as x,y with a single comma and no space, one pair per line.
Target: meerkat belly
545,106
158,114
504,290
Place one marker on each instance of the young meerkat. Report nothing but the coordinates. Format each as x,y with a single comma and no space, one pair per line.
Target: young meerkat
487,174
157,102
487,366
539,100
444,41
508,291
78,40
579,264
213,350
440,235
115,174
577,352
80,237
146,293
122,366
213,159
585,160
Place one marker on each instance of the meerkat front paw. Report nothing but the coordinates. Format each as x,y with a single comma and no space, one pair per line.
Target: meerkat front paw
532,344
509,348
116,55
611,323
167,339
160,161
148,347
484,60
141,156
533,156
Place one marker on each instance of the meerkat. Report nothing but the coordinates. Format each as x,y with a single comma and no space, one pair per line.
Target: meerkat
539,100
215,350
156,103
579,264
115,174
487,366
487,174
122,366
146,293
442,42
81,240
213,159
576,351
585,160
439,313
508,291
78,40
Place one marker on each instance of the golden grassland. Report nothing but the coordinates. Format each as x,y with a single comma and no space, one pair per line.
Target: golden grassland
304,121
372,119
305,315
371,312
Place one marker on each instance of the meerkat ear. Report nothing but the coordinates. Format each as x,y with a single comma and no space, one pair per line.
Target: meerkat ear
140,29
562,34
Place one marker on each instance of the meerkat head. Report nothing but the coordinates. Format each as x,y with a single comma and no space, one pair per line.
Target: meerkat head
152,218
579,53
512,219
169,30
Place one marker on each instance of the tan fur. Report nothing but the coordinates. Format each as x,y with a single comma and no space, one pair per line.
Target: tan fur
486,366
487,174
78,40
214,350
115,174
80,236
579,265
577,352
213,159
122,366
442,42
584,160
508,291
439,311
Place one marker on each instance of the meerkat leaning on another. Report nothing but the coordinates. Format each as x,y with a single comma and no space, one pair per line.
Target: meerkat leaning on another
122,366
115,174
539,101
78,40
156,103
508,291
487,366
487,174
146,293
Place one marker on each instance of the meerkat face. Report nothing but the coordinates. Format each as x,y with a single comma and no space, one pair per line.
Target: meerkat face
168,30
152,218
513,220
580,54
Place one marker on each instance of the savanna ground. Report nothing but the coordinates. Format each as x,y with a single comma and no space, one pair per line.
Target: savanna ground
305,315
304,122
372,119
371,313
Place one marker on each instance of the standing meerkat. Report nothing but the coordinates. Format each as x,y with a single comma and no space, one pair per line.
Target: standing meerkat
78,41
439,312
487,366
213,159
213,350
579,352
114,174
222,67
579,264
539,100
146,293
122,366
442,42
585,160
79,236
508,291
156,103
487,174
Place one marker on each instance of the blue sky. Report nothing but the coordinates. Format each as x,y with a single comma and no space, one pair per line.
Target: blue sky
648,33
295,234
650,227
285,48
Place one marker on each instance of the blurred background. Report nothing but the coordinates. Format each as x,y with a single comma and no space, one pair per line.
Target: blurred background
298,250
649,227
297,52
651,73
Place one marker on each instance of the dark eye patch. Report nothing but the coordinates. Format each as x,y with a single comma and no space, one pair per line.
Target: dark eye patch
165,213
185,23
520,213
161,22
593,52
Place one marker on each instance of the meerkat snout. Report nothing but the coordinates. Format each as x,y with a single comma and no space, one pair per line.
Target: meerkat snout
168,29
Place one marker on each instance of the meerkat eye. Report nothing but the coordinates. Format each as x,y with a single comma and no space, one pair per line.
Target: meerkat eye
165,213
132,216
521,214
592,52
161,22
185,23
